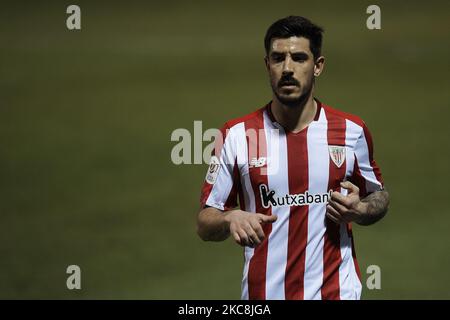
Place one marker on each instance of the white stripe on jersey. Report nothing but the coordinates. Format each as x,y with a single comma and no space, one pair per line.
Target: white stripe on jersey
278,180
318,159
224,182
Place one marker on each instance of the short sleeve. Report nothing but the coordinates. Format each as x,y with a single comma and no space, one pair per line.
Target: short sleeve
366,173
220,188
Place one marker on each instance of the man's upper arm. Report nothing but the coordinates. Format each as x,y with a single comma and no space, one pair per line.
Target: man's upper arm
220,187
366,173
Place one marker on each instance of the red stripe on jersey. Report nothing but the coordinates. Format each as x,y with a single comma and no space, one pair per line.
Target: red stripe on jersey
257,147
358,180
231,202
332,248
297,158
240,193
355,261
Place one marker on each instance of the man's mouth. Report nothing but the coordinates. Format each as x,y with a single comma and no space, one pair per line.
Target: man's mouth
288,84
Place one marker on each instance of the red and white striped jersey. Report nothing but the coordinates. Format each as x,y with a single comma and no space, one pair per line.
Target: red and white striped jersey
304,255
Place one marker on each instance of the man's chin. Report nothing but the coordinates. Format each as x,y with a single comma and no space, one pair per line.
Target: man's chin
290,99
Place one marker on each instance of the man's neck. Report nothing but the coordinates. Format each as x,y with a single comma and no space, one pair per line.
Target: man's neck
294,118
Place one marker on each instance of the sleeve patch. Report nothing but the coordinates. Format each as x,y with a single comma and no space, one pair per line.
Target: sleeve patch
213,170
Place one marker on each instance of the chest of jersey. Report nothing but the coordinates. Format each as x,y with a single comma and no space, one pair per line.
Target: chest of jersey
296,169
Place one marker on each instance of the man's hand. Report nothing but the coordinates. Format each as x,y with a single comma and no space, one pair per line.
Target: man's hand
345,209
350,208
245,227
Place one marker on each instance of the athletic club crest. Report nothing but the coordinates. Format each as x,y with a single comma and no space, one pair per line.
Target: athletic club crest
337,154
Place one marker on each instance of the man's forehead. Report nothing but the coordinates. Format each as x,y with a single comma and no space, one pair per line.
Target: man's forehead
290,44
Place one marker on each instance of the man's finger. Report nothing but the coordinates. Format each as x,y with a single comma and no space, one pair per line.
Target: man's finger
333,212
350,186
339,207
333,217
237,238
244,238
252,235
340,198
258,229
267,218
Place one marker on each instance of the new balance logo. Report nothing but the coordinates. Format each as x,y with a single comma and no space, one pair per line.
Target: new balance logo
257,162
268,198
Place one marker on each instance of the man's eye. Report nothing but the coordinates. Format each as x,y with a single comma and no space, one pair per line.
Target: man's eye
300,58
277,58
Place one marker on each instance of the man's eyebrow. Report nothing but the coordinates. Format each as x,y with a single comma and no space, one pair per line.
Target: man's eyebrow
299,53
276,53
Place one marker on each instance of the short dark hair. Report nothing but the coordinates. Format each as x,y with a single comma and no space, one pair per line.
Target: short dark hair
295,26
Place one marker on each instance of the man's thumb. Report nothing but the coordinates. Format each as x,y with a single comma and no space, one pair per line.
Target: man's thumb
350,186
267,218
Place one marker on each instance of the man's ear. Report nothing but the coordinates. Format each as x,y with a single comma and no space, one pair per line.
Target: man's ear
266,62
318,66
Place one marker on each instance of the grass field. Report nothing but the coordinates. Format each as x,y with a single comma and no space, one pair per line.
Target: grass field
86,117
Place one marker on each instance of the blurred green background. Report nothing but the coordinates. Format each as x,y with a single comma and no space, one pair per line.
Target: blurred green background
86,117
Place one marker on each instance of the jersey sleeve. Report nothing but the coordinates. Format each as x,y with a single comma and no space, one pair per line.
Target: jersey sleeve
366,173
220,188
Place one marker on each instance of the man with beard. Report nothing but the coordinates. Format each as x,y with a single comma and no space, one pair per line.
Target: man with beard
295,147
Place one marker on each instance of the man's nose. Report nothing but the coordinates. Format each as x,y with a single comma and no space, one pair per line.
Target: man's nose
287,65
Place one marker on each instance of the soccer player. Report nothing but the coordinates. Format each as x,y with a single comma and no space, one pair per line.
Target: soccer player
303,172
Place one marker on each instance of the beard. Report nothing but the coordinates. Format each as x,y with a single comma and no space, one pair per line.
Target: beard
293,101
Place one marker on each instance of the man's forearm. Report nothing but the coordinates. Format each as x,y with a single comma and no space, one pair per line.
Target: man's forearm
212,225
376,206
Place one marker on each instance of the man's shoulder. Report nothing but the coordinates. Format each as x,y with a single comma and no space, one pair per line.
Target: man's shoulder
255,115
231,127
331,111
